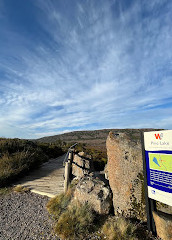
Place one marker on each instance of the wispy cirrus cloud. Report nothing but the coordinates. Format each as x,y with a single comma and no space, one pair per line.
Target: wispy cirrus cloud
84,66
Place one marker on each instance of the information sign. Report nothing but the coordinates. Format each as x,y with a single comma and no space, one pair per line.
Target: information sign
158,155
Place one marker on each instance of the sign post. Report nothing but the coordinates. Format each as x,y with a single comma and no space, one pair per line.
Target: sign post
157,164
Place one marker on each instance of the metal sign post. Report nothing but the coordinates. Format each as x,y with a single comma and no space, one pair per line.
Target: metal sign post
150,204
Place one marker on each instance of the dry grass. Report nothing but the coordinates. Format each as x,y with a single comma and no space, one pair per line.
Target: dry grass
72,220
20,189
76,222
4,191
18,157
57,205
118,228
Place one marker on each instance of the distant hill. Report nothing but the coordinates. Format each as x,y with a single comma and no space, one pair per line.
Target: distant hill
94,138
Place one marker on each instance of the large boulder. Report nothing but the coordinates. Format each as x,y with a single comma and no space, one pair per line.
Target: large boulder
95,192
81,164
125,175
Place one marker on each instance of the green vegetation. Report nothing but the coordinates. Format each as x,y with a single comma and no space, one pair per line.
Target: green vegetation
4,191
94,137
72,219
76,222
57,205
52,150
20,189
99,158
118,228
77,136
17,157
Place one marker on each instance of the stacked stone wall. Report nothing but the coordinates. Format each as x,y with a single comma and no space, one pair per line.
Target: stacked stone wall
81,164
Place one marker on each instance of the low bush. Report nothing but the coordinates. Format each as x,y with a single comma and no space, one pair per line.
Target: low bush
99,158
76,222
118,228
72,219
18,157
52,150
57,205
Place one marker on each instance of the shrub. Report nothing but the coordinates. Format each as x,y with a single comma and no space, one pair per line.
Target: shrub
118,228
57,205
52,150
17,157
76,222
72,219
99,158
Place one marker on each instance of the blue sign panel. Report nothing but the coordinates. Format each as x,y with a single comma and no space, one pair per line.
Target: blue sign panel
159,170
158,154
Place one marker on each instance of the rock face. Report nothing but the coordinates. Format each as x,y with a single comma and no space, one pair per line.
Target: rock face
125,175
95,192
163,223
82,164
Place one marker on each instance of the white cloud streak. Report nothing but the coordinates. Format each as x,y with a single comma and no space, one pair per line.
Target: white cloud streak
104,66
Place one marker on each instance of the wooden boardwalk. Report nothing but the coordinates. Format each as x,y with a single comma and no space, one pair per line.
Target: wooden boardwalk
47,180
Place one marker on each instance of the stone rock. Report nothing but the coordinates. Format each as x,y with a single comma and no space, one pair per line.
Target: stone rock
106,172
95,192
81,165
163,223
125,175
164,208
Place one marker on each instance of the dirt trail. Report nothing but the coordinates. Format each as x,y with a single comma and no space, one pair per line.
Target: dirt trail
47,180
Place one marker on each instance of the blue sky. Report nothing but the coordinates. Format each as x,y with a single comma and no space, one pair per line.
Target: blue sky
84,64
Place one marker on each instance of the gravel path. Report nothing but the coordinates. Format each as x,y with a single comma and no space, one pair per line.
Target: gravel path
24,216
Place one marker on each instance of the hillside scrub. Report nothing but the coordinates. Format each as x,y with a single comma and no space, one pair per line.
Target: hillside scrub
99,158
17,157
52,150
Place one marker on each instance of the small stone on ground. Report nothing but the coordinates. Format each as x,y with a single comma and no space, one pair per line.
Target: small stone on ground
23,216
